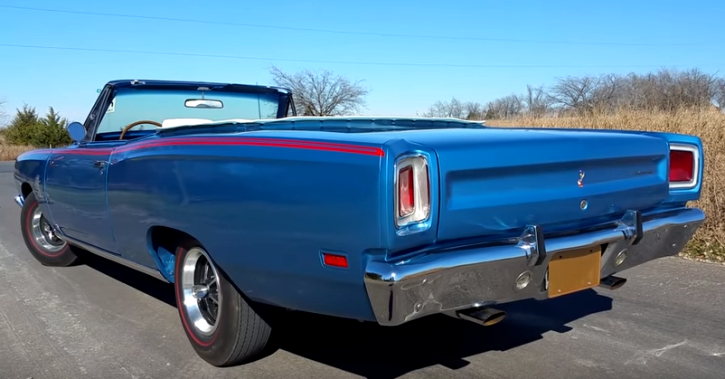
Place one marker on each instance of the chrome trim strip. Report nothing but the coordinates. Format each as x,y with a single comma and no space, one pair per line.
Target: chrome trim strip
412,223
115,258
437,282
695,167
20,200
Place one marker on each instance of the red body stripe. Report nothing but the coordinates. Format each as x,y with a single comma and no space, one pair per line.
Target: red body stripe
243,141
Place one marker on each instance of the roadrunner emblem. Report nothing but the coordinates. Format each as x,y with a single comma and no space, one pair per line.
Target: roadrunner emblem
580,182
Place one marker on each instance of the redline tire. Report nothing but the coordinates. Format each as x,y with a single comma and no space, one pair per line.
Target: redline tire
232,335
41,240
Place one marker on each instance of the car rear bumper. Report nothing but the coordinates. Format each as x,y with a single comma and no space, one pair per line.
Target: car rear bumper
465,277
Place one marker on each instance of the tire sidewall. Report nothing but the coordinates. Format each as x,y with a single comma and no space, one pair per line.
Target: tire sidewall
60,257
219,344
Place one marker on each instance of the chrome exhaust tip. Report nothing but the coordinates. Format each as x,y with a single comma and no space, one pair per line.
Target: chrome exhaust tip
482,316
612,282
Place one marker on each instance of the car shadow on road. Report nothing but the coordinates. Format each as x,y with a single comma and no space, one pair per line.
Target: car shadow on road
377,352
132,278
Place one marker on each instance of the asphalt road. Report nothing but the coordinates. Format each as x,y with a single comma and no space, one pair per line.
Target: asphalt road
104,321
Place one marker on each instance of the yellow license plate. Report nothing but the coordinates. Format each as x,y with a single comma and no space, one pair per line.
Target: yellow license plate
574,270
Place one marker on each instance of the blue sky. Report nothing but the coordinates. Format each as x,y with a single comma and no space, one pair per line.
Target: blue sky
546,39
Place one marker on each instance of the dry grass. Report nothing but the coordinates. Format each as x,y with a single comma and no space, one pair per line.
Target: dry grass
708,125
10,152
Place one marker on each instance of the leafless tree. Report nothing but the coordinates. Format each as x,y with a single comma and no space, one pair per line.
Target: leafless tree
536,100
474,111
668,90
505,107
664,90
452,109
719,98
456,109
3,115
322,93
586,93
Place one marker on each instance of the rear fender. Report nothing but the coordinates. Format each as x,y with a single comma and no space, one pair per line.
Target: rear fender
427,231
680,196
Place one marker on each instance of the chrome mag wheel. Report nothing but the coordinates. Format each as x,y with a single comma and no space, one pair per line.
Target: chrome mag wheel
43,233
200,295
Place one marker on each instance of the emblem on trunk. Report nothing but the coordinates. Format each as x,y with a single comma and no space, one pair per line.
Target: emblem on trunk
580,182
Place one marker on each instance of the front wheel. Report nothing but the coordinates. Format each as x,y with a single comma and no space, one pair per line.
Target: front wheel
221,325
40,237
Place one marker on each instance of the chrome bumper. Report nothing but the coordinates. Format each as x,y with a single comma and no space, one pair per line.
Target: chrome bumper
436,282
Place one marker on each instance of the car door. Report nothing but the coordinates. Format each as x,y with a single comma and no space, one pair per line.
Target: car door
75,186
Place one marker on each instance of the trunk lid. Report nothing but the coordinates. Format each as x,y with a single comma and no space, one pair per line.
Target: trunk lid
495,181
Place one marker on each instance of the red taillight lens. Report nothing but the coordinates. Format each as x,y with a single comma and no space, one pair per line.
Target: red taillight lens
682,165
406,192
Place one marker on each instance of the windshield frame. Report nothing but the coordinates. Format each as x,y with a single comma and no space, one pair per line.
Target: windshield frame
285,105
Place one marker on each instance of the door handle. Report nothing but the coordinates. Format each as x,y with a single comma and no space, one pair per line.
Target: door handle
100,164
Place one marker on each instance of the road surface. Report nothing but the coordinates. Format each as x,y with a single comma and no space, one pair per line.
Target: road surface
104,321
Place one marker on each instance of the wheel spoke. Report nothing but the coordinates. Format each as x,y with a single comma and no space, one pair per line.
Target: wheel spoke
213,297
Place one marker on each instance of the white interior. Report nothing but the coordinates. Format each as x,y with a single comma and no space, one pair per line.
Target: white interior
174,122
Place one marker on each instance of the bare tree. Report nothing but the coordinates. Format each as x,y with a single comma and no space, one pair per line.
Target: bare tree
455,108
664,90
322,93
505,107
474,111
452,109
719,98
536,100
3,115
668,90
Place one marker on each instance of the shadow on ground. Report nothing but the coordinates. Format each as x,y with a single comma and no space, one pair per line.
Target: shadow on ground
376,352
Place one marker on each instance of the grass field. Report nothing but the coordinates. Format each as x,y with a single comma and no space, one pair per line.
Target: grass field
708,125
708,243
10,152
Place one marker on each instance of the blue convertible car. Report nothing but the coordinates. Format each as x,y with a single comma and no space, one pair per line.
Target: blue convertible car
221,190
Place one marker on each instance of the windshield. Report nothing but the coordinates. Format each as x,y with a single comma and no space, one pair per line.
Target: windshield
177,107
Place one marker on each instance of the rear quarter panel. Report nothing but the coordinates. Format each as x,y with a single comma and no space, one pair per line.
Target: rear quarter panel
263,213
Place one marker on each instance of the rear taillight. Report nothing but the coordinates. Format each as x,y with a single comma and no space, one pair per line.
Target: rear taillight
412,192
684,162
406,192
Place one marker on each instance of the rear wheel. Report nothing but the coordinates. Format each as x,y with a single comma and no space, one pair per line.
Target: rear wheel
41,239
221,325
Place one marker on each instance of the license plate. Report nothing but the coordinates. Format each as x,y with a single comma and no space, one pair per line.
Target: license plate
574,270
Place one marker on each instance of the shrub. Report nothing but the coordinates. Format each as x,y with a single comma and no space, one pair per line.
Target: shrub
27,128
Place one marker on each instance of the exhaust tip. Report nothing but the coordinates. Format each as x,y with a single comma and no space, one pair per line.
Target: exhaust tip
495,318
612,282
482,316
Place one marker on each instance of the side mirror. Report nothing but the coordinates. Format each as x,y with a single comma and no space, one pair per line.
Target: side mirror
77,131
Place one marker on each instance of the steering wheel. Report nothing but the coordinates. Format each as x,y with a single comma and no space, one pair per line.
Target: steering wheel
131,125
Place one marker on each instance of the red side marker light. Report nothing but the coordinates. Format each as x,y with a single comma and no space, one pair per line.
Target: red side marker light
681,165
334,260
